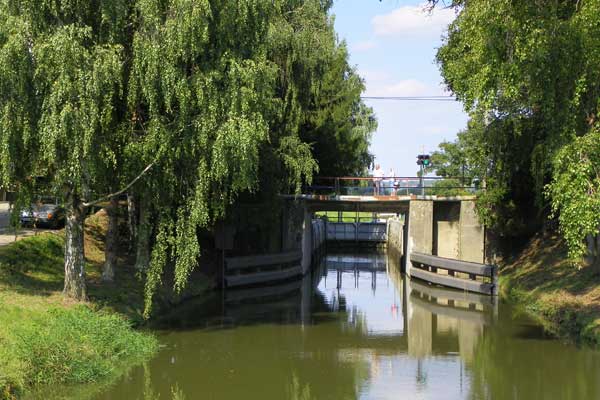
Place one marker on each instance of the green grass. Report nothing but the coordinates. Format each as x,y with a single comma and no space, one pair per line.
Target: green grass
564,298
347,216
32,265
47,339
64,345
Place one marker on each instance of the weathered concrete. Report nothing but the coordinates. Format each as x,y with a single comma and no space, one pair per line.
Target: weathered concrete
307,242
472,234
420,230
319,234
292,222
446,229
395,235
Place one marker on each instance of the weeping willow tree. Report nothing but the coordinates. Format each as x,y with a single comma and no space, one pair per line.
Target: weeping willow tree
201,89
184,104
224,115
62,81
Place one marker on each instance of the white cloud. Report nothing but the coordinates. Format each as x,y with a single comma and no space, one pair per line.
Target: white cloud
413,20
407,87
364,45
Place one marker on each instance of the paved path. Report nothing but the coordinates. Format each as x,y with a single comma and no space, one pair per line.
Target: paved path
7,234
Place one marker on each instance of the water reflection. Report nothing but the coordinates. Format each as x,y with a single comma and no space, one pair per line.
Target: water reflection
356,329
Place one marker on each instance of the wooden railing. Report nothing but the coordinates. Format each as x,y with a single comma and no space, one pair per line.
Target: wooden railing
481,278
248,270
267,268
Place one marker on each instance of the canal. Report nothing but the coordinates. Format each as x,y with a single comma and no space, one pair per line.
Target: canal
356,329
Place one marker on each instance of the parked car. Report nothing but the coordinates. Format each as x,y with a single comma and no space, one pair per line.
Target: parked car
45,213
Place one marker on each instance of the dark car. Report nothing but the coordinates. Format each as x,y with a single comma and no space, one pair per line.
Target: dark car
46,214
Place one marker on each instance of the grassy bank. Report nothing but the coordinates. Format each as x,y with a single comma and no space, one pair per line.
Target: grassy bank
45,339
564,298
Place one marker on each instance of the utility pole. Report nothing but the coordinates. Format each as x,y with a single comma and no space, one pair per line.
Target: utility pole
421,182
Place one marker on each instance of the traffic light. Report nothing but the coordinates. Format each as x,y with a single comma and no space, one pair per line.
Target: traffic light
424,160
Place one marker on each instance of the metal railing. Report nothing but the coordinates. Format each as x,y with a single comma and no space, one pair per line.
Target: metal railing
361,232
393,186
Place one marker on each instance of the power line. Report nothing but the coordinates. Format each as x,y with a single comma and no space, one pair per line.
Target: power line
410,98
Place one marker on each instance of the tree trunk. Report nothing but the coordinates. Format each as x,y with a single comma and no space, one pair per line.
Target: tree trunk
131,219
142,259
597,254
112,239
593,252
74,251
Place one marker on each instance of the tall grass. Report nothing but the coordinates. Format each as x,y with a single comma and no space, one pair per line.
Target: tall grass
58,345
44,340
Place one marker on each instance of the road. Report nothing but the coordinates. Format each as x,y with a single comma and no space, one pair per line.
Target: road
7,234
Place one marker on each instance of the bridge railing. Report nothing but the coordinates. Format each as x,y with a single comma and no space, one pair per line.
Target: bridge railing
393,186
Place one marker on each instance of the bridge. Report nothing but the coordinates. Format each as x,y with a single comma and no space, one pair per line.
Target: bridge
430,223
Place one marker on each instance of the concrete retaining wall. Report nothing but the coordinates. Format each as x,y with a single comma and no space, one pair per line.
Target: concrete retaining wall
318,233
446,229
472,234
420,230
395,235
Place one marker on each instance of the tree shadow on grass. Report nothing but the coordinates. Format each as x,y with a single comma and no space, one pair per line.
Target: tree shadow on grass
33,266
544,266
567,295
125,295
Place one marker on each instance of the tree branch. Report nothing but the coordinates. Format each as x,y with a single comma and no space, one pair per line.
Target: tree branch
120,192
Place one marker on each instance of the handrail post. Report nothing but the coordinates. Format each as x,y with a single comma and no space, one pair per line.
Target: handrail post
494,280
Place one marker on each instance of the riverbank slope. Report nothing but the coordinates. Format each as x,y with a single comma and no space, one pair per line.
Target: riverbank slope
564,298
46,339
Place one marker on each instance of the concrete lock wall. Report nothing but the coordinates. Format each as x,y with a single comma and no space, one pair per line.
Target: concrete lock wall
449,229
395,233
313,237
318,233
293,222
472,234
446,229
307,241
420,230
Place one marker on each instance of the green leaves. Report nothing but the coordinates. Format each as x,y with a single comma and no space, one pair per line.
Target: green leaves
528,74
575,191
221,97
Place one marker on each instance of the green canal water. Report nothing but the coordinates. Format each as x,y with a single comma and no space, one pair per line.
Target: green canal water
356,329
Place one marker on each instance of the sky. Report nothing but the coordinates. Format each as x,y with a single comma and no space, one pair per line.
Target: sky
393,43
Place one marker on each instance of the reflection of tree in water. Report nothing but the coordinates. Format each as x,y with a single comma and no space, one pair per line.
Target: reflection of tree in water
270,349
298,391
177,393
516,364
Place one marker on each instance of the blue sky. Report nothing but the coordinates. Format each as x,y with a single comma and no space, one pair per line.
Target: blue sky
393,44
